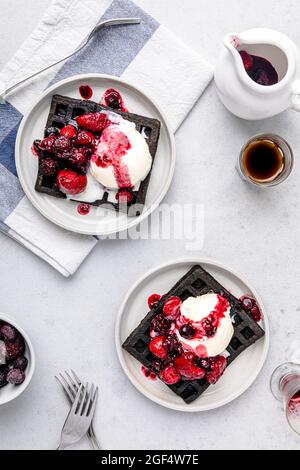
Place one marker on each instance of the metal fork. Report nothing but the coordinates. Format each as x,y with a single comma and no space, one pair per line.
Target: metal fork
70,387
98,27
80,416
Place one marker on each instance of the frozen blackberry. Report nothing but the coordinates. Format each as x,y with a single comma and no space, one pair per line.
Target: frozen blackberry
20,363
8,333
15,349
48,166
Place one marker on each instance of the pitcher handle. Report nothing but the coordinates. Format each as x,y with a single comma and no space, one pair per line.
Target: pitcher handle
296,97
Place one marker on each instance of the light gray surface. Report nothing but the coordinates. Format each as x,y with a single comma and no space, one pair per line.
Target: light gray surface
71,322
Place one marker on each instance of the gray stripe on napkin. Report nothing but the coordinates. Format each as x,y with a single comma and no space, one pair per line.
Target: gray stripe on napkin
10,192
114,48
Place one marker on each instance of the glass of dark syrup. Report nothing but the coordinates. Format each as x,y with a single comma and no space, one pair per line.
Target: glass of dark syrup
265,160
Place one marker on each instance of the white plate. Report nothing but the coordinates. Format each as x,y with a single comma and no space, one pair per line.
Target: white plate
100,221
239,375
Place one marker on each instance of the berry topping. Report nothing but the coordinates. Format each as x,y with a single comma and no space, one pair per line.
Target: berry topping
84,209
256,313
187,331
94,122
153,300
86,92
173,346
247,303
170,375
15,377
79,159
209,325
68,131
204,363
247,60
71,183
15,349
62,143
161,325
85,139
20,363
47,143
52,131
218,367
8,333
113,99
157,347
48,167
186,366
171,308
124,196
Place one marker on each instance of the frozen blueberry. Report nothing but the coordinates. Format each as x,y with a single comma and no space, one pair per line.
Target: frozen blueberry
15,376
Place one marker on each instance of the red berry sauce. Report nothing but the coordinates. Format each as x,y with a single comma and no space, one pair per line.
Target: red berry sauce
86,92
113,99
124,197
83,209
153,300
111,148
149,374
260,70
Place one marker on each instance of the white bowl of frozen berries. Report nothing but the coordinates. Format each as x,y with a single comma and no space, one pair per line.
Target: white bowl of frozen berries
17,360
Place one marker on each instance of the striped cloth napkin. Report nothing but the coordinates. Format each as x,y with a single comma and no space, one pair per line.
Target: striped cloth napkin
148,55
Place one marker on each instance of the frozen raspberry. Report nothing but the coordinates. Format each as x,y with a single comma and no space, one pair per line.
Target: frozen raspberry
256,313
47,143
15,376
20,363
153,300
15,349
84,139
186,366
48,167
218,367
157,347
8,333
171,308
170,375
61,143
187,331
79,159
68,131
161,325
71,183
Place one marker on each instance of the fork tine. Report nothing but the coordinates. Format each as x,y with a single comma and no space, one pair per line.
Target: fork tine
71,382
77,379
94,403
65,389
83,398
85,411
77,400
67,385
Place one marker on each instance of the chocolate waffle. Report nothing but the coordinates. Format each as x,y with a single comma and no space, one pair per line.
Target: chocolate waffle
195,283
63,110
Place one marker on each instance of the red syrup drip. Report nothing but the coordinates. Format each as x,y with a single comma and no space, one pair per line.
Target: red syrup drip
113,145
124,197
113,99
83,209
86,92
34,151
153,300
148,373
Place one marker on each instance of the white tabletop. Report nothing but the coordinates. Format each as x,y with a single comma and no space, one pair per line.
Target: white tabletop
71,322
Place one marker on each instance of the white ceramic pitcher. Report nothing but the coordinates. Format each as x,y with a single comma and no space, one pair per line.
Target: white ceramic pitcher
242,95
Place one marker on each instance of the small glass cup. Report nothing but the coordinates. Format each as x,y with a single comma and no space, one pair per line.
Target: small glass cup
285,386
288,160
